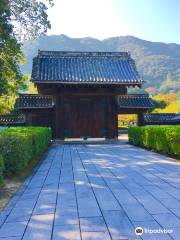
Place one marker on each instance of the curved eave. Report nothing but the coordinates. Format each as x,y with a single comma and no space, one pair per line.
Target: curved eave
90,83
143,107
29,107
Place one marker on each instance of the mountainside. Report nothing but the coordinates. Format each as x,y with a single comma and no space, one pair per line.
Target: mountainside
158,63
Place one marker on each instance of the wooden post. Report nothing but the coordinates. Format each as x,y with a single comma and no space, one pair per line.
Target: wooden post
140,119
28,118
59,117
112,119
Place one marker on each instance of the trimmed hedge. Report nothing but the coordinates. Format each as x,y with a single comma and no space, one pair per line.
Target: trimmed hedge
1,169
20,145
163,139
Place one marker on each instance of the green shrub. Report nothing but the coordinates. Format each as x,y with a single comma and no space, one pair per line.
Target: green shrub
20,145
1,169
164,139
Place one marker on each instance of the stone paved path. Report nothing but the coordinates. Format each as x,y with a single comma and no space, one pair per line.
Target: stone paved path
97,192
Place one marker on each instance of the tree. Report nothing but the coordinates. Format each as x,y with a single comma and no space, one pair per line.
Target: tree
159,103
167,103
150,90
29,18
19,20
10,53
167,98
125,120
32,89
6,104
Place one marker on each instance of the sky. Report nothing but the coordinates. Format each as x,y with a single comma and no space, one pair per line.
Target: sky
153,20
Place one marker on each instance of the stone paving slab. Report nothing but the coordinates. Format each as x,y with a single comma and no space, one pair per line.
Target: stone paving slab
96,192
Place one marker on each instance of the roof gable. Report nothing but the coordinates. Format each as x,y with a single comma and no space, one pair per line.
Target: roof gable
85,67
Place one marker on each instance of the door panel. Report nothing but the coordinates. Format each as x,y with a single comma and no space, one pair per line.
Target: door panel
84,117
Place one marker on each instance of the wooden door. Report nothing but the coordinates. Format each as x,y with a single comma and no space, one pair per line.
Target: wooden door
84,117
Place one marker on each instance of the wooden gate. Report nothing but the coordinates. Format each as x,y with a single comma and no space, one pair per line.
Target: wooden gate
84,117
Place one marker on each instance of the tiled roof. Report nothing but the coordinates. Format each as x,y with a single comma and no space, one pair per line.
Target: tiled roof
134,101
176,118
85,67
12,119
46,101
161,117
34,101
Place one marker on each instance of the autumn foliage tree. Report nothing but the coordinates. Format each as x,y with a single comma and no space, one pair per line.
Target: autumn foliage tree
167,98
172,103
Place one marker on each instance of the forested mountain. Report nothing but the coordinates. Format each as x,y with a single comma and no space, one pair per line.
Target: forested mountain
158,63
